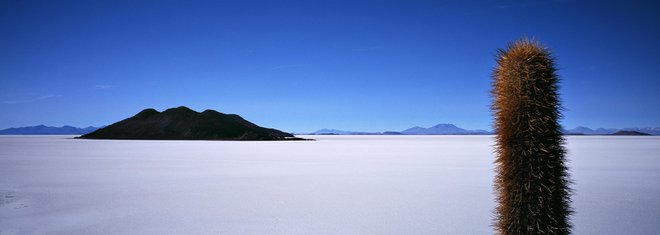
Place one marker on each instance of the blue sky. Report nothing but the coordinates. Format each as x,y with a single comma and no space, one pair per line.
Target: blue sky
305,65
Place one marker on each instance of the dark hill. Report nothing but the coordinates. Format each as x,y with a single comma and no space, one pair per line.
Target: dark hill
629,133
183,123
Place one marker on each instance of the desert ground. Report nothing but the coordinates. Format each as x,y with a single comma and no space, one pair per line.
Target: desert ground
334,185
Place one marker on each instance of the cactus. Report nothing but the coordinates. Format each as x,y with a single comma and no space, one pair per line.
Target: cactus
532,182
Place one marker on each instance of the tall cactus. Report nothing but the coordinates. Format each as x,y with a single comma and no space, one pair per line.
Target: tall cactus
532,182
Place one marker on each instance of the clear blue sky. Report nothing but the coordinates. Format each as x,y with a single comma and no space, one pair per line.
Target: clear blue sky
304,65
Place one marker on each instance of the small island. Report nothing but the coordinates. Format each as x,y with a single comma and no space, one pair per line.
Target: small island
629,133
183,123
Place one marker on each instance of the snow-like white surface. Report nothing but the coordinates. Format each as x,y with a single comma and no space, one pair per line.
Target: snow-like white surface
336,185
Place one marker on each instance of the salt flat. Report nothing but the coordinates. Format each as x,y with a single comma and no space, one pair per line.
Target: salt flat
335,185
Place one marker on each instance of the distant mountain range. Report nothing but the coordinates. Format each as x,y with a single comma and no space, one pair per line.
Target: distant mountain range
440,129
47,130
629,133
340,132
602,131
450,129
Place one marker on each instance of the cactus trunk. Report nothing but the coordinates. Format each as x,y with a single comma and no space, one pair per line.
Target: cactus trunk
532,182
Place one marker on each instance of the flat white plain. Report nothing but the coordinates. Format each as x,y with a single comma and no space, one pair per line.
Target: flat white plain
335,185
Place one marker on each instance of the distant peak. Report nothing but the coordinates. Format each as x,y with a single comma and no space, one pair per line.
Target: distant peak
46,130
182,108
179,109
211,111
445,125
148,111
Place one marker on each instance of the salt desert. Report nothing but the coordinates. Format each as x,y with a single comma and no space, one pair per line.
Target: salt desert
335,185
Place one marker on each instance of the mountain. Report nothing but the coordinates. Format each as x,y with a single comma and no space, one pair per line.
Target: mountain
340,132
441,129
629,133
604,131
183,123
589,131
47,130
392,133
648,130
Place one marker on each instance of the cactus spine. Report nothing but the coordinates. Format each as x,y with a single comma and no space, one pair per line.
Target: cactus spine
531,182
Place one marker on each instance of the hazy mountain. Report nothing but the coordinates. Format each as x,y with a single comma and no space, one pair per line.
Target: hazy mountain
183,123
629,133
648,130
604,131
589,131
392,133
341,132
47,130
441,129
